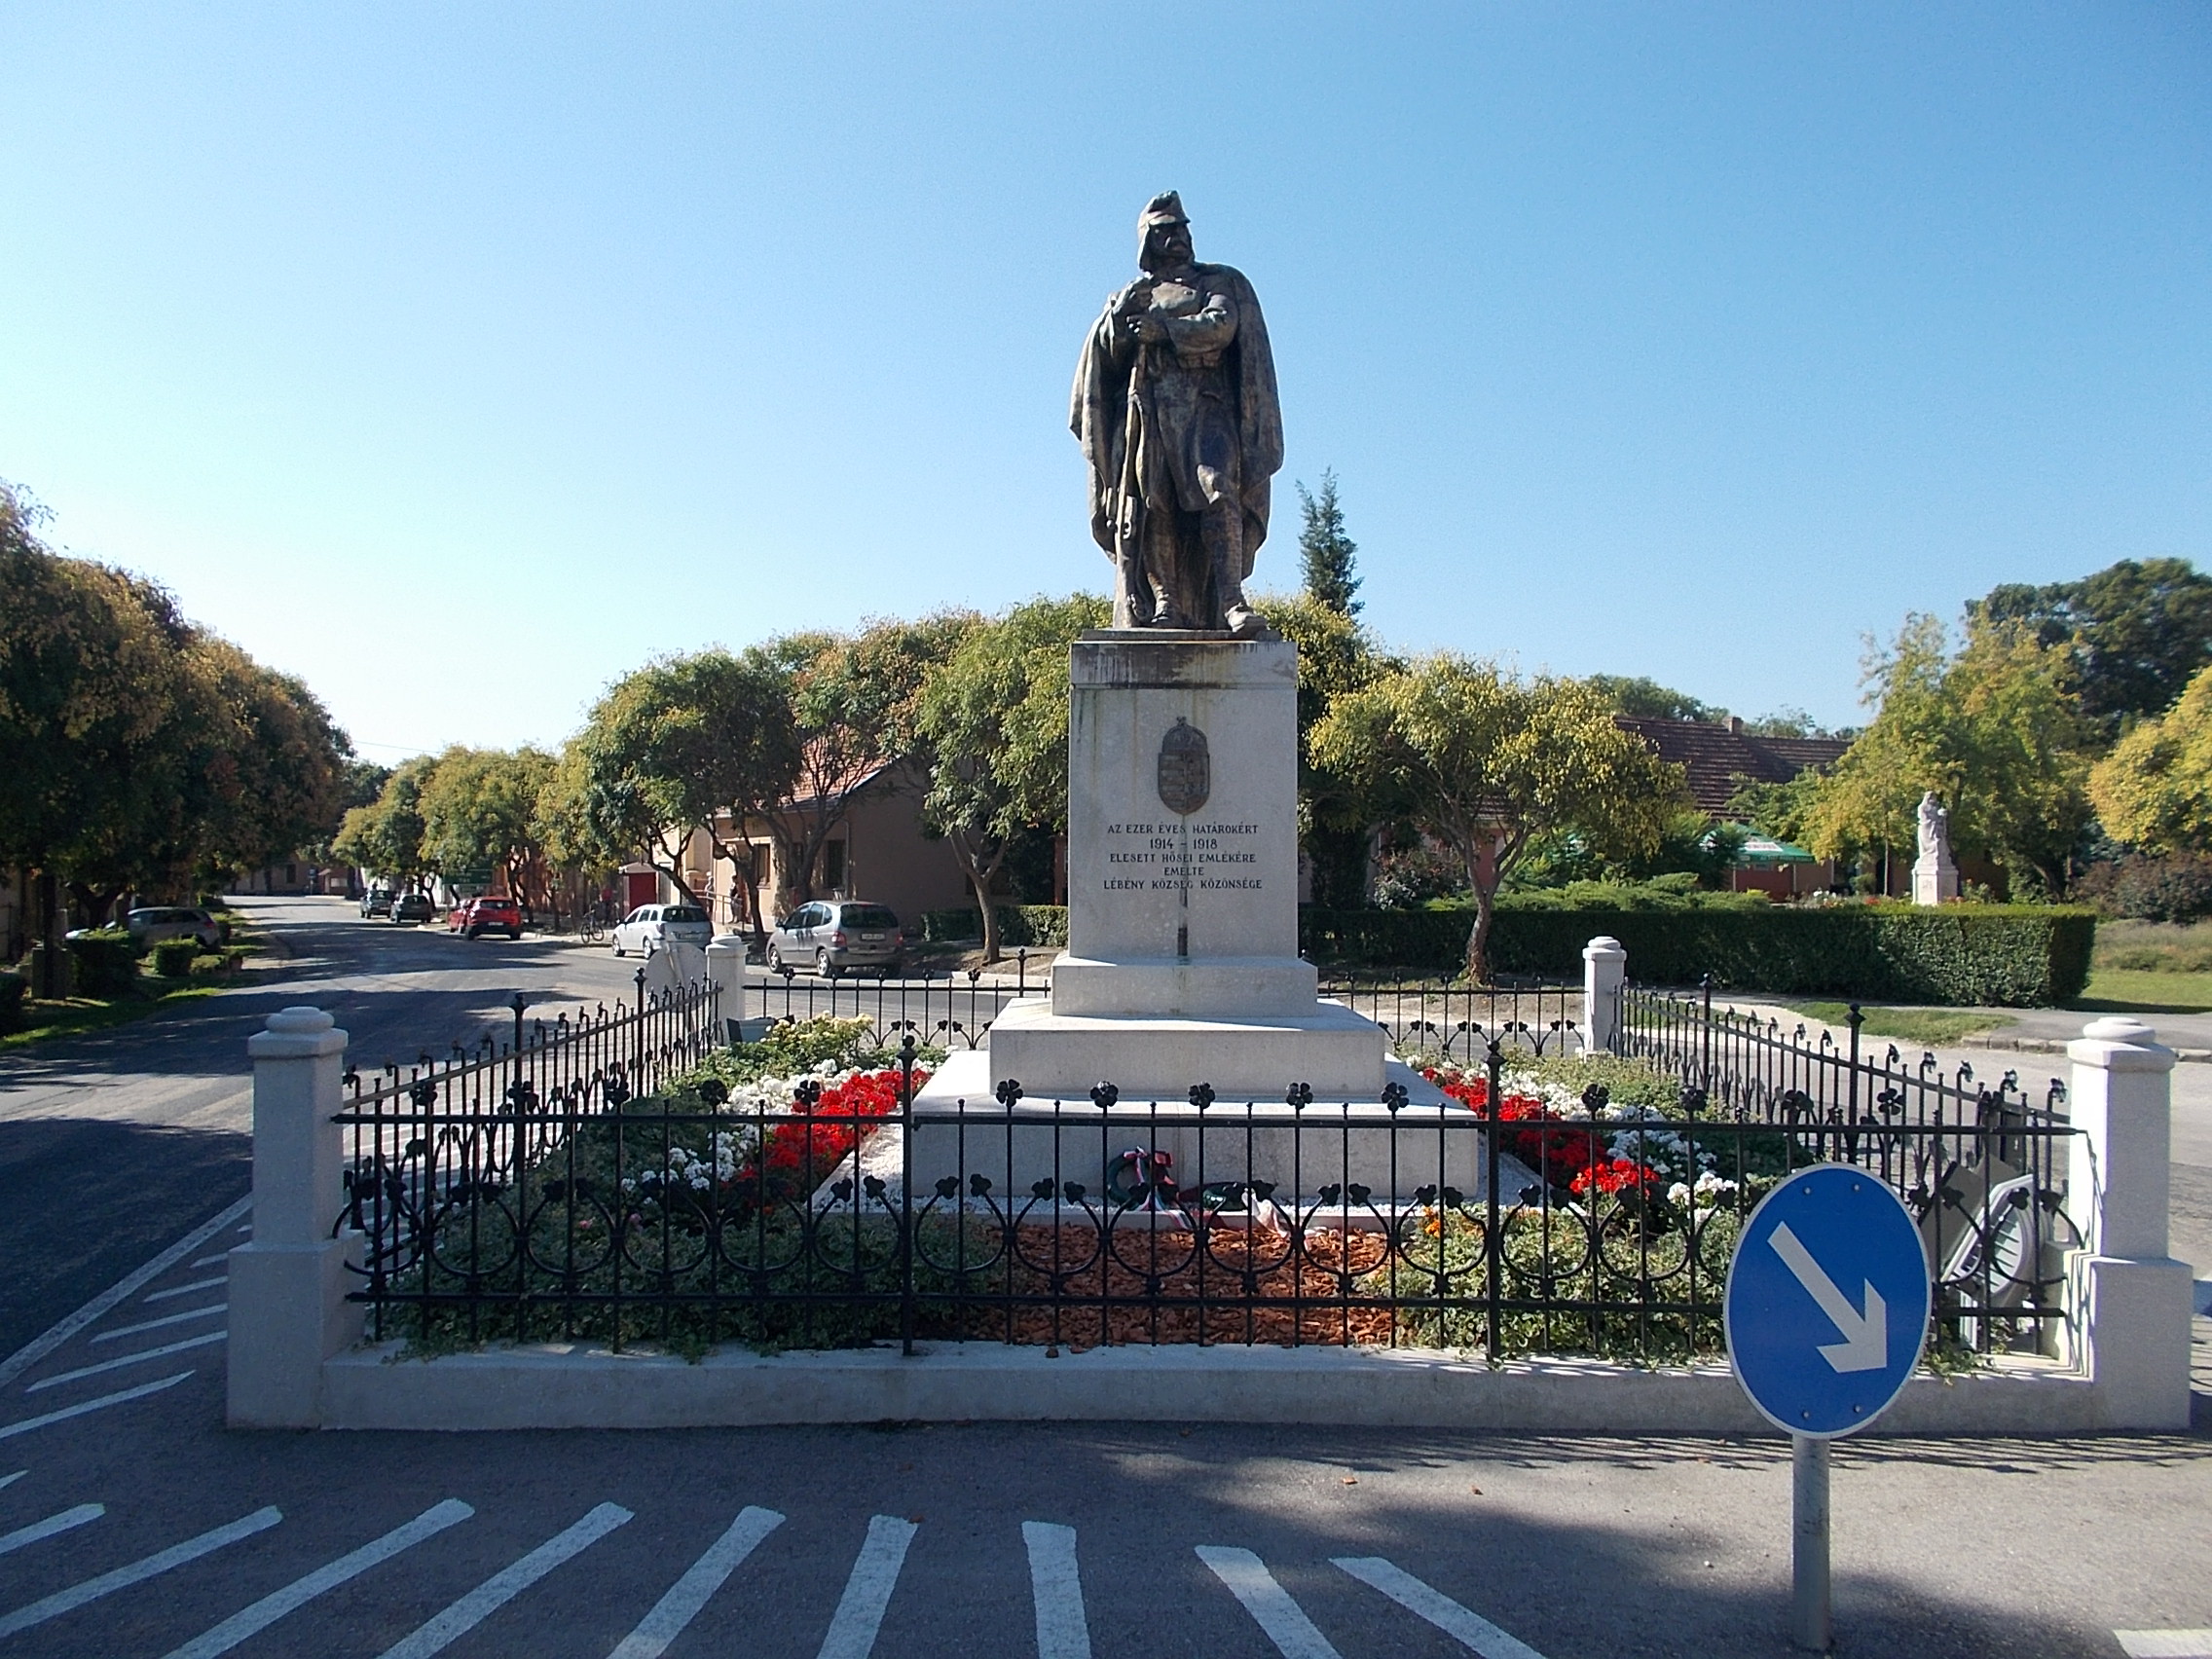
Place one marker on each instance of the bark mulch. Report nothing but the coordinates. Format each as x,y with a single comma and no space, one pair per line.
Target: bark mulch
1172,1286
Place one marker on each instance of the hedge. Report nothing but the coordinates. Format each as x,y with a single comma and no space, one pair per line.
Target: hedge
103,963
1018,925
1975,955
172,957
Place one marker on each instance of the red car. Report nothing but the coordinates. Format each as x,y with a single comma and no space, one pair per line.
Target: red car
477,916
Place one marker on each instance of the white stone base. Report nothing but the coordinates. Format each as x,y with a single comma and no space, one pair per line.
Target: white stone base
1175,986
1335,1052
1935,884
578,1385
1340,1140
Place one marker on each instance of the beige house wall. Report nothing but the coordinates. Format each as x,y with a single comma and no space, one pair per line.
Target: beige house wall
883,857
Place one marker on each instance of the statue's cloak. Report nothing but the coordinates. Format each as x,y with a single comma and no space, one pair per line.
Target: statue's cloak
1098,411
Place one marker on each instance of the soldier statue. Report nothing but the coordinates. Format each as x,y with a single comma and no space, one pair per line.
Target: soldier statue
1176,408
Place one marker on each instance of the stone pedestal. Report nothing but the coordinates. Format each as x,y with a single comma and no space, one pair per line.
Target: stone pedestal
1182,964
1935,881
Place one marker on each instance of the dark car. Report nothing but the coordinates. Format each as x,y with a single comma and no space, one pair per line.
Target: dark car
377,901
413,907
479,916
836,934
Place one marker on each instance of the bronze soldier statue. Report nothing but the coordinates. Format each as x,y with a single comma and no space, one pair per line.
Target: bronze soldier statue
1176,411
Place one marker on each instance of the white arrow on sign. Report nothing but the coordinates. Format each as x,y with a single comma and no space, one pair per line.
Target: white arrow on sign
1866,1336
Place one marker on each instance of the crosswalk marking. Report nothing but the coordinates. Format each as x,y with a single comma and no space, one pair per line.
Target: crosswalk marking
11,1480
219,1258
1438,1609
165,1320
503,1587
868,1592
301,1591
1282,1619
688,1594
122,1578
139,1358
2166,1643
8,1430
216,1283
1062,1631
53,1523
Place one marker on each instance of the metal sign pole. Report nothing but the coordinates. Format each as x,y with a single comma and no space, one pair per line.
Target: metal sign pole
1809,1623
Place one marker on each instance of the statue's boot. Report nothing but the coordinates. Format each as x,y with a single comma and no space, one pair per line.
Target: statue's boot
1224,549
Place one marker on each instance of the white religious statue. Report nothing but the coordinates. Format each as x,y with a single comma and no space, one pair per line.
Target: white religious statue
1934,875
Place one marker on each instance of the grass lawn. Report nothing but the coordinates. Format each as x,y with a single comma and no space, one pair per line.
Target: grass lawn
1928,1025
66,1019
2137,991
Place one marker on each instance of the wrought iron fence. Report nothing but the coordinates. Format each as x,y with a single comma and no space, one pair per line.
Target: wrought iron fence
1980,1162
432,1141
624,1201
1424,1019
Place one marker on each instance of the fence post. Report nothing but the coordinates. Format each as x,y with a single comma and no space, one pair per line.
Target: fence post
726,966
1605,967
287,1292
2129,1301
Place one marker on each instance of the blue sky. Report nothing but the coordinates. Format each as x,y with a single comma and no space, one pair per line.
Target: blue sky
462,359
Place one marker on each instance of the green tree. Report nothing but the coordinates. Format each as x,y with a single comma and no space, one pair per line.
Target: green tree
993,724
1646,699
1337,816
672,746
1325,553
1994,730
481,812
856,701
1487,765
387,837
2136,632
2154,789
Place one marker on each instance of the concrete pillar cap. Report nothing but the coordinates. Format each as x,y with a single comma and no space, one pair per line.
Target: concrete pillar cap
2118,1028
1604,944
299,1021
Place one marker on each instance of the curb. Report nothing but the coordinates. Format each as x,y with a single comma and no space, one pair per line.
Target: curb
579,1385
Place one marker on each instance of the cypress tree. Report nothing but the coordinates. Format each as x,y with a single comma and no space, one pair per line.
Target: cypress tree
1326,551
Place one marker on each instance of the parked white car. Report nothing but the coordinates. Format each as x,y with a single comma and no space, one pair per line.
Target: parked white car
648,927
153,924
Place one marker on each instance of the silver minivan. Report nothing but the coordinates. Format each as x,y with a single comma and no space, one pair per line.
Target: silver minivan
834,934
648,927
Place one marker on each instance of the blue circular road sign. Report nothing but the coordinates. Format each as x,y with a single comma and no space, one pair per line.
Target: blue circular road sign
1827,1301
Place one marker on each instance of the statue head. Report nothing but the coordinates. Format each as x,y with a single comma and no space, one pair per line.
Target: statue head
1163,233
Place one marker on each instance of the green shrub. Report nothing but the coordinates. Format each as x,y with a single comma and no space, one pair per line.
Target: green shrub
2006,955
1020,925
103,963
2145,888
172,957
14,988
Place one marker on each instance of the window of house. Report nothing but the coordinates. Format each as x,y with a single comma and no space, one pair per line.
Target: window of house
834,866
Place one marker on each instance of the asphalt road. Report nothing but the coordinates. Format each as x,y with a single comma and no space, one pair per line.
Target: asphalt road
114,1144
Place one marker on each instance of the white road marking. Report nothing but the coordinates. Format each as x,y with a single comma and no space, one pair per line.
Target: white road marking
2166,1643
220,1259
38,1348
10,1430
11,1480
503,1587
1282,1619
301,1591
187,1289
1057,1588
53,1523
868,1592
157,1324
122,1578
688,1594
1439,1610
128,1359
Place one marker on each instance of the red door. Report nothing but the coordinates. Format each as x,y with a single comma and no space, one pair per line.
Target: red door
642,886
